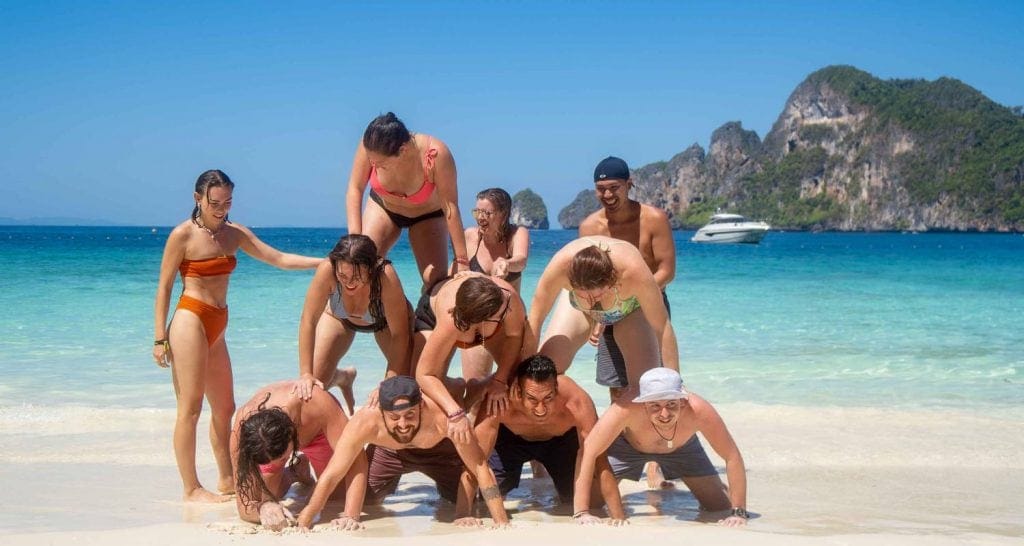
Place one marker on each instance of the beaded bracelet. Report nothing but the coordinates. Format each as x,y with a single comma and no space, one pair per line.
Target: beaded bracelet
579,514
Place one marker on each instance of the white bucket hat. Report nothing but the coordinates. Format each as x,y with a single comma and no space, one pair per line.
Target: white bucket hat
661,384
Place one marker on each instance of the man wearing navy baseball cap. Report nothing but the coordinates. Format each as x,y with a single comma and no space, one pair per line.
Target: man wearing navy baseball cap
661,425
645,227
406,433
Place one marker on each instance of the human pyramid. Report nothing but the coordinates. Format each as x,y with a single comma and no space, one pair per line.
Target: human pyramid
471,434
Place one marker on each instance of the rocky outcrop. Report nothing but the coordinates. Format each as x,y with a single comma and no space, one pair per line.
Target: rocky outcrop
528,210
852,152
582,206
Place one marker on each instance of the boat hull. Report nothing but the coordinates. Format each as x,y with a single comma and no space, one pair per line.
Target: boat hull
743,236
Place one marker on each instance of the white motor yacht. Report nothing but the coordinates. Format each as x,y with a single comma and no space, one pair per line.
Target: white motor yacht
731,228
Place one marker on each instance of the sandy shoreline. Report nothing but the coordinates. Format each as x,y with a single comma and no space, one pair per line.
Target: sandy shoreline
817,476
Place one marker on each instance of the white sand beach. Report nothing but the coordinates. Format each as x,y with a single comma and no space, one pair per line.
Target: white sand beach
76,475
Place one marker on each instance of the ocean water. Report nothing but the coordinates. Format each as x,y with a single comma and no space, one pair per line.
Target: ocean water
892,320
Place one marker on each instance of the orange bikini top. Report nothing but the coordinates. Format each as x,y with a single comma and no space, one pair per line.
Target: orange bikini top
210,267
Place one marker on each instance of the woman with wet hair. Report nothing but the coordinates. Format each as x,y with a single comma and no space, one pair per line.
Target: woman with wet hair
599,279
202,250
412,181
355,290
497,248
269,432
468,310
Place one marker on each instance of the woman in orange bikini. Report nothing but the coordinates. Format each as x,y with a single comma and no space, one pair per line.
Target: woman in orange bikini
412,185
203,249
499,249
468,310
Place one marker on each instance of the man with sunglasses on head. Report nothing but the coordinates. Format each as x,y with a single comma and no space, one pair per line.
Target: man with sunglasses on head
406,433
645,227
548,420
661,425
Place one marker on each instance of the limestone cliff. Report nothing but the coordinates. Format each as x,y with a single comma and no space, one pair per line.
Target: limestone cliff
528,210
582,206
852,152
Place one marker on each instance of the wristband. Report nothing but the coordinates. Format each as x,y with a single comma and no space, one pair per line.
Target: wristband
164,342
579,514
463,261
740,512
456,415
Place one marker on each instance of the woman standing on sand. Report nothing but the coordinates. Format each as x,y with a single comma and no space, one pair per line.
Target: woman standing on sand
202,249
412,185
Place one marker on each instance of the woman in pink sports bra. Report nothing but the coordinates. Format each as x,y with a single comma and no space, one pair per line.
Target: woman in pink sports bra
412,181
269,429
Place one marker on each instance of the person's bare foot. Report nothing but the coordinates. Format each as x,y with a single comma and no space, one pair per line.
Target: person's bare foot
226,486
655,479
200,494
344,378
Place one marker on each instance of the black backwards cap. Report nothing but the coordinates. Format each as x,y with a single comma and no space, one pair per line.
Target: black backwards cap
611,168
396,388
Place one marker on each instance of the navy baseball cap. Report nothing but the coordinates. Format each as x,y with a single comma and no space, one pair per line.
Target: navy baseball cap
396,388
611,168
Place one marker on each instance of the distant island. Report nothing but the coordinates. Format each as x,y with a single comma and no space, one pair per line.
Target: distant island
56,221
852,152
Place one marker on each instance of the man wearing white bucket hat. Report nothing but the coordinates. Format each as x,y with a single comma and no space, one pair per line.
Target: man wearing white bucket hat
661,425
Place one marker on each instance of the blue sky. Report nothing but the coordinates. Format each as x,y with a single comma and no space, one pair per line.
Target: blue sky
110,110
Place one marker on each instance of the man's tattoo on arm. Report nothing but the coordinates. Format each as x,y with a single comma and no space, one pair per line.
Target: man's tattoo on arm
491,492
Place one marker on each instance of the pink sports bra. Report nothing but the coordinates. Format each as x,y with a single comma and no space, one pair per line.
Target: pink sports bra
426,190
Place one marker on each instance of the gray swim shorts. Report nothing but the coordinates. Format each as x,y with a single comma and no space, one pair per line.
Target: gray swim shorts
688,461
611,366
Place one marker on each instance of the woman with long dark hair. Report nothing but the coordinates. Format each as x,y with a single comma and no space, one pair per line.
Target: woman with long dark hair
356,290
270,429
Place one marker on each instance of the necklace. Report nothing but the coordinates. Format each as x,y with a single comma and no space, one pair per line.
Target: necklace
213,234
668,441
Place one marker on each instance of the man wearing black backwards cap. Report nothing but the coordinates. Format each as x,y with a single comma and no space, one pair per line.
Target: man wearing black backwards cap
407,433
645,227
662,425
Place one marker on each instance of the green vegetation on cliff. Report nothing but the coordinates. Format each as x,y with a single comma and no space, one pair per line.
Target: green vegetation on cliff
971,148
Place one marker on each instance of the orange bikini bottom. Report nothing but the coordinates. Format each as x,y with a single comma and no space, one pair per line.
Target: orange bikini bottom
214,319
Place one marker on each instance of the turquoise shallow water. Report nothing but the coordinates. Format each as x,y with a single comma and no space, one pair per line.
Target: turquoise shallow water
897,320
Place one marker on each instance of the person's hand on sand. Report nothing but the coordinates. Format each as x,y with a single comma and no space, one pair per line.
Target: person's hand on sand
347,523
275,517
497,397
595,334
305,520
733,521
501,526
618,522
459,429
304,385
468,521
